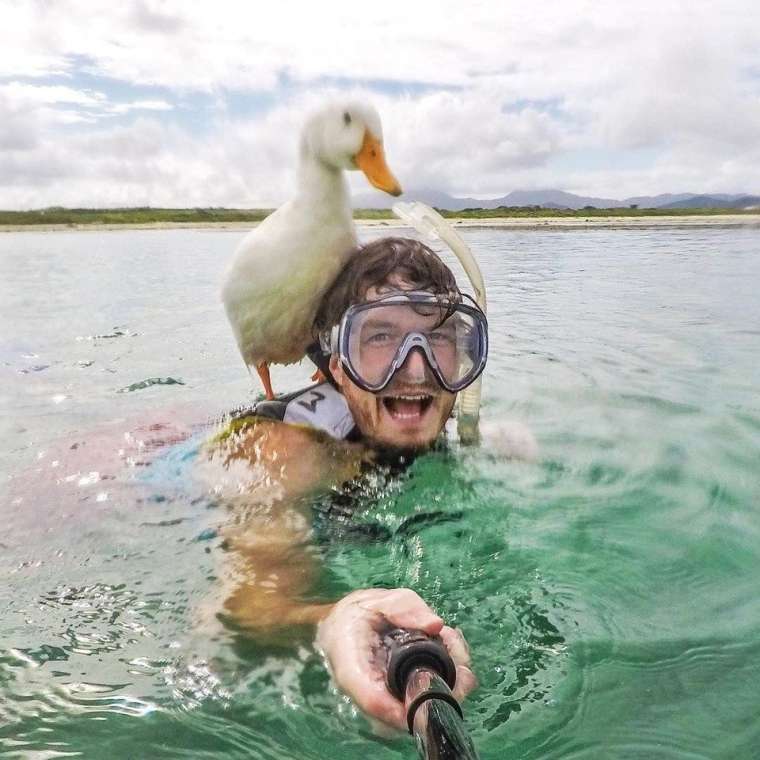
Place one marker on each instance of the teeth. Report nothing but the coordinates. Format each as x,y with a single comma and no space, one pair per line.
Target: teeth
421,398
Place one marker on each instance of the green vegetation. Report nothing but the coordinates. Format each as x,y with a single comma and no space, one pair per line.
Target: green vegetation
75,217
131,216
522,212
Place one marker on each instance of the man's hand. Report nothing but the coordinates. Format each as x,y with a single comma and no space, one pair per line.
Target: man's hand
350,638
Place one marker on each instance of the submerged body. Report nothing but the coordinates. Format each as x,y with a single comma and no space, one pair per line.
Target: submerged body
265,471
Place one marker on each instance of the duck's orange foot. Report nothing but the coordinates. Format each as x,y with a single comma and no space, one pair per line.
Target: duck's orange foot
266,380
319,377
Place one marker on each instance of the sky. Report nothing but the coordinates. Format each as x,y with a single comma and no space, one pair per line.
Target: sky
183,104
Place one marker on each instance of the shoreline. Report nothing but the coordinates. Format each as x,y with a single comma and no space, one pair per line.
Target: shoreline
504,223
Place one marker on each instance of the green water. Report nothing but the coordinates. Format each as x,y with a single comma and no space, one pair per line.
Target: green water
608,591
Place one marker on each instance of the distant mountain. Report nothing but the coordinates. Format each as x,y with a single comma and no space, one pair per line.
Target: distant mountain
655,201
543,198
716,201
557,199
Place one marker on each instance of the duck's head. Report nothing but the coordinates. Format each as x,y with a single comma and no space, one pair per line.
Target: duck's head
349,136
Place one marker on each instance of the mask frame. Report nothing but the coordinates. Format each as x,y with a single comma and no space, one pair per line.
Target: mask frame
339,339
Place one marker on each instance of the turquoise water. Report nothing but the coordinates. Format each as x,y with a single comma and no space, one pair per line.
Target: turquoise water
608,591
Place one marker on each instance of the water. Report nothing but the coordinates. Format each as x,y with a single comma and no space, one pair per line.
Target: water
608,591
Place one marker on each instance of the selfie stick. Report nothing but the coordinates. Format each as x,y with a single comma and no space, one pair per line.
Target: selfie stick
429,223
421,674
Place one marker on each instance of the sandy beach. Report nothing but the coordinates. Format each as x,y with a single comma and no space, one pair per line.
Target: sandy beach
505,223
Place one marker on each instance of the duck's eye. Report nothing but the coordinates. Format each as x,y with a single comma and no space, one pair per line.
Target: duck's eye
346,118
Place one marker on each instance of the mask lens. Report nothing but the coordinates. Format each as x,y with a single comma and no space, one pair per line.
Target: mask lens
375,338
378,333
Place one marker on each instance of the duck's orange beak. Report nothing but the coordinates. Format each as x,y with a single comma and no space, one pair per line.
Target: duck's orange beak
371,160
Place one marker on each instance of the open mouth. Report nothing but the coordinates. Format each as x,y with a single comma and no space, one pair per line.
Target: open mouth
407,407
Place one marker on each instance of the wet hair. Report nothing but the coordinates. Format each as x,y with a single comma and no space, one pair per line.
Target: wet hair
373,265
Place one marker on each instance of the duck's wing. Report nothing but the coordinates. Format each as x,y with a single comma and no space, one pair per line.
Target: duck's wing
273,286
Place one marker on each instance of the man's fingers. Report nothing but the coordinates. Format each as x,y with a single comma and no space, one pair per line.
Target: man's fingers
456,644
466,682
457,647
402,608
426,621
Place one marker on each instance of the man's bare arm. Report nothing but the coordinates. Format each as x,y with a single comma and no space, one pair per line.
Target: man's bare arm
264,471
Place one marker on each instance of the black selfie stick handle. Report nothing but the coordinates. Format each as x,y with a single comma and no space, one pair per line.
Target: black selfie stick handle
420,672
414,649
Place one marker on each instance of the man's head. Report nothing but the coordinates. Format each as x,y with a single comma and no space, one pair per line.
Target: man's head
410,410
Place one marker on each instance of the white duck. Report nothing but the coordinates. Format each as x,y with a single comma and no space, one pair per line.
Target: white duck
282,268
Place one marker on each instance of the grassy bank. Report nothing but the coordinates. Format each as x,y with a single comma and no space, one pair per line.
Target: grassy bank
138,216
131,216
530,212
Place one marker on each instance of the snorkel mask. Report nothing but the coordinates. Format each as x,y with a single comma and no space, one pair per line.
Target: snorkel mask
374,339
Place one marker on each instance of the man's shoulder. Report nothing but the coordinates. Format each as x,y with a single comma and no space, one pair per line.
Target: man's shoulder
276,456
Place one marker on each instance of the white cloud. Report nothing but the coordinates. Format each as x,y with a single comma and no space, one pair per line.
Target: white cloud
31,95
140,105
464,142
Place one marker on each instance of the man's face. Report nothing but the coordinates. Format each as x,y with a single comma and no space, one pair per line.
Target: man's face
411,411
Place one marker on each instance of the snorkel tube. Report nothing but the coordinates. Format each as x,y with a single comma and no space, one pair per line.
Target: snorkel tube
430,224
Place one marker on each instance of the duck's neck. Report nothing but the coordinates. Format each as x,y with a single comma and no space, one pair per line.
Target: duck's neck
320,185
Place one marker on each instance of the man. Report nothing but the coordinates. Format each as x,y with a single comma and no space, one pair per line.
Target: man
400,342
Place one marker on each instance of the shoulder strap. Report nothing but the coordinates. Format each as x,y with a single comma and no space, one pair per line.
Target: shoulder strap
322,407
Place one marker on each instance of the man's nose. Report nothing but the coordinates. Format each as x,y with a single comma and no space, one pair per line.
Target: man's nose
414,368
